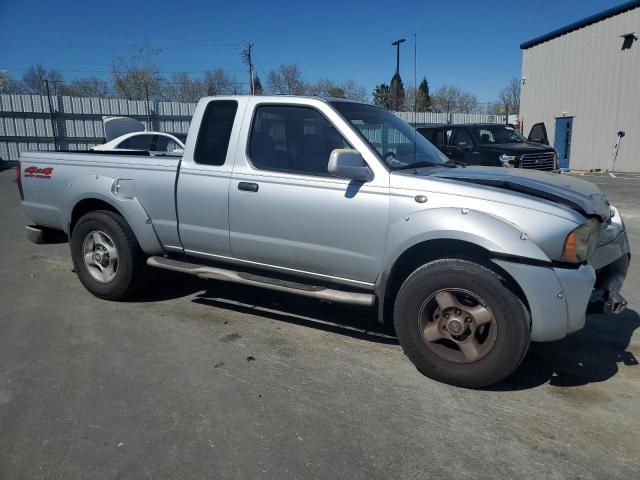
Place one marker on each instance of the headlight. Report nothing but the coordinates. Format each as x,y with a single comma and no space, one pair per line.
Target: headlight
507,160
581,242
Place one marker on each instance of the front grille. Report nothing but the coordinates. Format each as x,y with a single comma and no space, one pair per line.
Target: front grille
538,161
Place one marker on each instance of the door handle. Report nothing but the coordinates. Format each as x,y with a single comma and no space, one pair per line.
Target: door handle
248,186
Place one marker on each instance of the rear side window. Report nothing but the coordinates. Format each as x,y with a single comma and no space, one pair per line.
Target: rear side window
293,139
137,142
215,132
437,136
461,138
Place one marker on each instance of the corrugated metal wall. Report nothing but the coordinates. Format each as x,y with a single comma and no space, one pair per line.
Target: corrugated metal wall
426,118
26,122
587,75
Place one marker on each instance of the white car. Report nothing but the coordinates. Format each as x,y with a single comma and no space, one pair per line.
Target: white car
157,143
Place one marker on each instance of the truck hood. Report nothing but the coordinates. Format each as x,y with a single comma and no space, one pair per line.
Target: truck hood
516,148
580,195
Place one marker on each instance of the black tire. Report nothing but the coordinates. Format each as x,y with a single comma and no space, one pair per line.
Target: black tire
130,267
512,321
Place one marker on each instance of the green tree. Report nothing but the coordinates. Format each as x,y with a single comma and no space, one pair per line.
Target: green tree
423,99
396,93
381,95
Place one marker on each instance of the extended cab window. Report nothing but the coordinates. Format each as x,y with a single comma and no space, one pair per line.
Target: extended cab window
215,132
292,139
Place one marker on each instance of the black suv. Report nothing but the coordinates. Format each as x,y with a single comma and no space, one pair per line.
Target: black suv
493,145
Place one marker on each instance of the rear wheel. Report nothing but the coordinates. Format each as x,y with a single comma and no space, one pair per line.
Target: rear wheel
459,324
106,255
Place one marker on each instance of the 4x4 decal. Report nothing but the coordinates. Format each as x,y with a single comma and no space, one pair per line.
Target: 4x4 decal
38,172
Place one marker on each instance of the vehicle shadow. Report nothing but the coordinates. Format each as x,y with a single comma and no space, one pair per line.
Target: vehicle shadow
167,285
587,356
347,320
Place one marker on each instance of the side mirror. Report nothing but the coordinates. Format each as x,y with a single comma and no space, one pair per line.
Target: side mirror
347,163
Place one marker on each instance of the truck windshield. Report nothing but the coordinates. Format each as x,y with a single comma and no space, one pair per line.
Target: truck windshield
395,141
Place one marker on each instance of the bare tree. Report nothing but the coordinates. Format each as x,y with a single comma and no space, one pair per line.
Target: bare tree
257,85
218,82
137,75
328,88
509,96
183,88
354,91
409,98
86,87
286,80
325,88
35,80
8,85
449,98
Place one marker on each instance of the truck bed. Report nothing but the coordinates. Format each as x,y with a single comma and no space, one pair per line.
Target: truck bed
54,183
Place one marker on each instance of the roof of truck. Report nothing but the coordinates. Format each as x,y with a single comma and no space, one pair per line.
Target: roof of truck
486,124
280,97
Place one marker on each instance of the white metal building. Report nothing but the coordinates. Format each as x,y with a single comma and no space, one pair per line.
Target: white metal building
583,82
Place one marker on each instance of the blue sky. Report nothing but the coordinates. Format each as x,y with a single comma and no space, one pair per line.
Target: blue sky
471,44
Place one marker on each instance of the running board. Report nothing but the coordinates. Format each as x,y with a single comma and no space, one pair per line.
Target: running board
303,289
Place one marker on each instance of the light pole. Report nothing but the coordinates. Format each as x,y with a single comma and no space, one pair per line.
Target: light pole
397,75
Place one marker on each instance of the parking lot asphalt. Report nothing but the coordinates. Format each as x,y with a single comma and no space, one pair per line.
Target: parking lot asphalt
199,379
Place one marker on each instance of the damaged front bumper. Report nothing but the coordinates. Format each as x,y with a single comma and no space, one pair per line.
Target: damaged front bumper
611,263
558,298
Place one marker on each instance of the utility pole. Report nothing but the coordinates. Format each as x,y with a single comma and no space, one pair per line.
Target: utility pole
146,92
397,75
246,58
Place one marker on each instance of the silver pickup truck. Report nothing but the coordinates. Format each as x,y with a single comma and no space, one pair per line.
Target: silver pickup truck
343,202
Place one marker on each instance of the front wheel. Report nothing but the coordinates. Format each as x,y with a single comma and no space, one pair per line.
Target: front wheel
459,324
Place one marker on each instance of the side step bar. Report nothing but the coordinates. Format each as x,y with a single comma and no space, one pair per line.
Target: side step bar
303,289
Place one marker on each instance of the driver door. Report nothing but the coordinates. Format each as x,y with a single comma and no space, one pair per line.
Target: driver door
287,211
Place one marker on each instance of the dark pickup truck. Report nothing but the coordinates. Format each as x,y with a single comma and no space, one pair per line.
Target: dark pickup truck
492,145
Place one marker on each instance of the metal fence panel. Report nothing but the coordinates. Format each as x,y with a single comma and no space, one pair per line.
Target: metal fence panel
27,124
